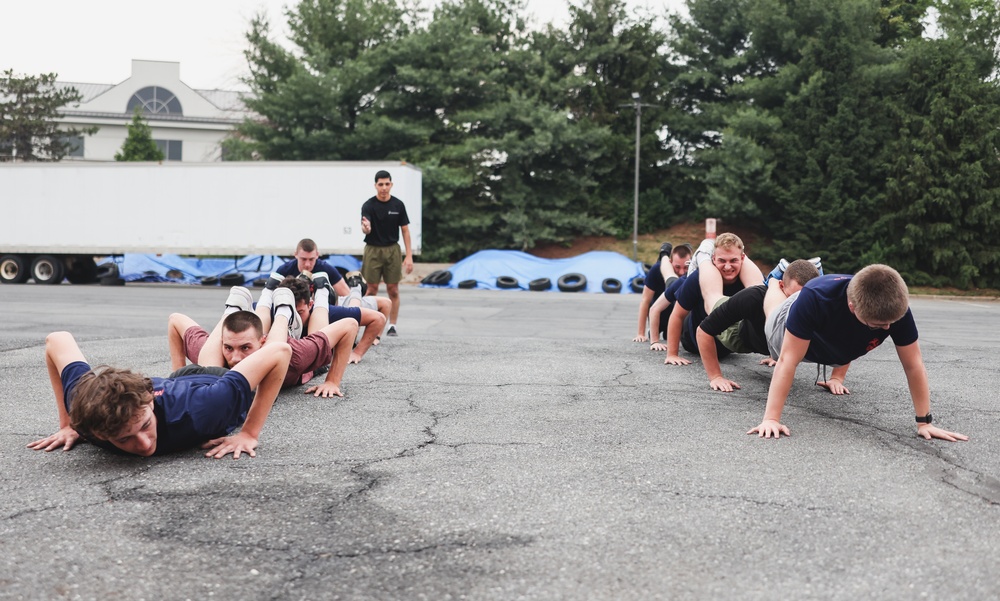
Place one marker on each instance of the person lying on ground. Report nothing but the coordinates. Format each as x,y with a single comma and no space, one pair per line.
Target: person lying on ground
120,409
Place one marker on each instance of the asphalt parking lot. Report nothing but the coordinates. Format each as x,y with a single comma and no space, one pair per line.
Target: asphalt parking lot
510,445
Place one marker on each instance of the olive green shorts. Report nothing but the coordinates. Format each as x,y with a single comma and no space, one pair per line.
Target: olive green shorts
383,263
730,338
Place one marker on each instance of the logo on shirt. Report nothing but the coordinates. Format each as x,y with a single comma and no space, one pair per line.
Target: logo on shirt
158,392
873,345
393,212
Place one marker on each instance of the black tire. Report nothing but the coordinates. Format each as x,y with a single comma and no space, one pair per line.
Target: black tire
443,278
260,282
637,283
611,286
428,279
572,282
82,270
467,284
233,279
506,282
175,274
13,269
47,269
112,281
539,285
107,270
210,280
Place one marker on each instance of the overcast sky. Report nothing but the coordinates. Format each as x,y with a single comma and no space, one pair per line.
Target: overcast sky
95,42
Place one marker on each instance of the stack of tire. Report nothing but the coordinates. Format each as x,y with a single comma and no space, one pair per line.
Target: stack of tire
108,275
441,277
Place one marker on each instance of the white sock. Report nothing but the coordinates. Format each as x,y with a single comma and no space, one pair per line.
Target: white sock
284,311
265,298
322,298
230,309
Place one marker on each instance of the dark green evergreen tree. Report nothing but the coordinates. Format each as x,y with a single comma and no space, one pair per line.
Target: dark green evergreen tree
29,107
139,144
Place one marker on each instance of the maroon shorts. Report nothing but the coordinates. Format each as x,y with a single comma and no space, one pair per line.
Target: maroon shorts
308,355
194,340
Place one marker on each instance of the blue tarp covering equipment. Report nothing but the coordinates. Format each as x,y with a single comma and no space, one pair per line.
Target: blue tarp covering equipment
486,266
190,270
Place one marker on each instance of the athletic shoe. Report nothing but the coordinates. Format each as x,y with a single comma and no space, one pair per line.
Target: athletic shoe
306,275
704,253
665,249
273,280
778,272
819,264
321,280
240,298
284,297
353,278
391,331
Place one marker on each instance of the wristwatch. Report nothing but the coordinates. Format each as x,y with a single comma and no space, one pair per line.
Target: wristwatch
925,419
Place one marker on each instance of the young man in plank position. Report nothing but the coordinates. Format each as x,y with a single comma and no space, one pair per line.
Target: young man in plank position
120,409
671,264
834,320
737,323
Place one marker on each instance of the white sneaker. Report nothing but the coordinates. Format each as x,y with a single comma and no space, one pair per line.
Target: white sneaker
240,298
704,252
283,297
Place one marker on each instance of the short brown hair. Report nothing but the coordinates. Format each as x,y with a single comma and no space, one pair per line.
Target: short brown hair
299,287
107,399
878,293
305,244
729,240
682,250
800,271
241,321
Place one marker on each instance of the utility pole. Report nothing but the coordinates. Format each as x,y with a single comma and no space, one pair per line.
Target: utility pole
638,131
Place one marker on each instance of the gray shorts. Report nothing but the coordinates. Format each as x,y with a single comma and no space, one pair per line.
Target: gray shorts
774,326
367,302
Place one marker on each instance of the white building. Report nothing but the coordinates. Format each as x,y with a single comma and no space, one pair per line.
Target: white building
187,124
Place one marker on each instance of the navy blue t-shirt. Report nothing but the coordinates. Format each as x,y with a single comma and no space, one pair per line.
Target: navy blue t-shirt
654,281
821,315
190,410
689,297
292,268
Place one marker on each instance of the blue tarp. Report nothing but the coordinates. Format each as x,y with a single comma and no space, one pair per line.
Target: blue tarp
174,268
487,265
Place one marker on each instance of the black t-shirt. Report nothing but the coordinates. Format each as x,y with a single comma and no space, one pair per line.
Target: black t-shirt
386,219
746,306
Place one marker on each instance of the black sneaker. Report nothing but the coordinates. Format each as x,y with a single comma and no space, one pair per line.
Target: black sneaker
353,278
391,331
273,280
321,280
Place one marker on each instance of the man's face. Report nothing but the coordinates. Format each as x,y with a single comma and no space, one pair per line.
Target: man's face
383,188
728,261
303,309
306,260
238,346
139,436
680,264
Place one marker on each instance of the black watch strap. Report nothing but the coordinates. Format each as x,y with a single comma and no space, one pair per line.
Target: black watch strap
925,419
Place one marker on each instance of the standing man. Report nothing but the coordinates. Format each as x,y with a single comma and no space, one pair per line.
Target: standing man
383,217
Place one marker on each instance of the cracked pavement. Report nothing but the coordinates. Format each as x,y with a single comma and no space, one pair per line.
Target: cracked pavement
509,445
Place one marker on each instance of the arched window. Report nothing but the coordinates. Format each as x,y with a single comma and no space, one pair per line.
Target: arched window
155,100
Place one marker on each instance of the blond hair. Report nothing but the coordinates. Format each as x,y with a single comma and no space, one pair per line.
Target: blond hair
729,240
878,294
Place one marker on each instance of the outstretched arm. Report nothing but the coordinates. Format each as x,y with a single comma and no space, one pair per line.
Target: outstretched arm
60,350
710,359
657,309
264,370
916,379
675,326
793,350
644,304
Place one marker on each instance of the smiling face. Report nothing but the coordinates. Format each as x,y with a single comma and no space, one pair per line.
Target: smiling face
729,262
139,436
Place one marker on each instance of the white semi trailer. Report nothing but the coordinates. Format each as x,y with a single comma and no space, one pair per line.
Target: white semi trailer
58,216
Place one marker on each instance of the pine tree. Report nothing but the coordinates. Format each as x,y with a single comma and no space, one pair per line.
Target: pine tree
29,107
139,144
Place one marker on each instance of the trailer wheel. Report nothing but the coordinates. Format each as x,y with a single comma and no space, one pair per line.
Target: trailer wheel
47,269
13,269
82,270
